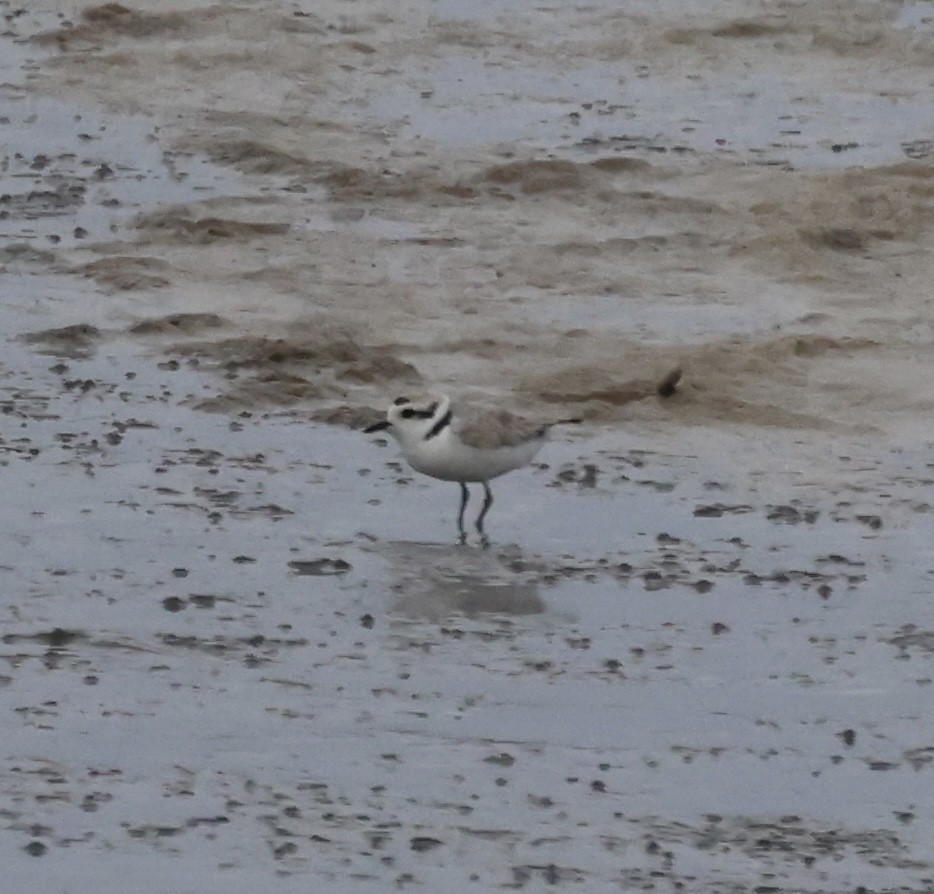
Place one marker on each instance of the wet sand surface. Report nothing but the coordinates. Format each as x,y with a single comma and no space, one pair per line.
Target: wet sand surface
241,650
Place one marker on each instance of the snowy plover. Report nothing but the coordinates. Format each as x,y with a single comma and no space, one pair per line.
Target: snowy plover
477,448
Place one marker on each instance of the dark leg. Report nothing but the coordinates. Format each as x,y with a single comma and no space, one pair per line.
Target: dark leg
465,496
487,503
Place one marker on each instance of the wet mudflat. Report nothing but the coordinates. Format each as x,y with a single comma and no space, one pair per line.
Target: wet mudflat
219,668
240,648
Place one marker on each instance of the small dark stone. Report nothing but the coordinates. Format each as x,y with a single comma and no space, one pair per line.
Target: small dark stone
424,843
589,478
35,849
717,510
57,637
367,621
319,567
669,385
285,849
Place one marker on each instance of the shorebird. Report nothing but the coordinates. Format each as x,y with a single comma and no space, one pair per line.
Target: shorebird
475,448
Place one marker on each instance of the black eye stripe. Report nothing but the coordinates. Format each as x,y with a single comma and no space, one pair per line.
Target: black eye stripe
399,401
412,413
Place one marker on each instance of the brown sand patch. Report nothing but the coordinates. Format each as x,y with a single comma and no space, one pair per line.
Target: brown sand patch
582,385
803,221
746,29
738,29
305,366
734,380
178,225
126,274
844,29
625,165
351,183
536,176
257,351
178,324
75,341
114,20
271,389
258,157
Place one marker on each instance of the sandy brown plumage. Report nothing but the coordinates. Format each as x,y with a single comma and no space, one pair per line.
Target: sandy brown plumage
497,428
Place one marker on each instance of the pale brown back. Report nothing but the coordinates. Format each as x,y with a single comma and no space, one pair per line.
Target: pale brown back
497,428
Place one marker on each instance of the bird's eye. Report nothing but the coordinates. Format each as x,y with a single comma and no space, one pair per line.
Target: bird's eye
407,413
399,401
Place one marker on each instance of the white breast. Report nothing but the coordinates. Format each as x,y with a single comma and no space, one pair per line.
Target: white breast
449,458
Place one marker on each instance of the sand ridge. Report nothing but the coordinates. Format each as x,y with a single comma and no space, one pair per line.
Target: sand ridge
621,236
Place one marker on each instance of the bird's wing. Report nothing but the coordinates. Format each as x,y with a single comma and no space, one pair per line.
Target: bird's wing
496,428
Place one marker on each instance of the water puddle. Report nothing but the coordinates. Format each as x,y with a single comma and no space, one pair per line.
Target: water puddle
79,175
468,101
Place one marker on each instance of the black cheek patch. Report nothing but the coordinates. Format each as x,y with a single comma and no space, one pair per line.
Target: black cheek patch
439,426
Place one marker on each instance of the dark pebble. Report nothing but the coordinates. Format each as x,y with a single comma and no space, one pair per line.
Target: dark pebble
424,843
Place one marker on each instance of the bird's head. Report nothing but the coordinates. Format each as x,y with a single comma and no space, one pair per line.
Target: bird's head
411,421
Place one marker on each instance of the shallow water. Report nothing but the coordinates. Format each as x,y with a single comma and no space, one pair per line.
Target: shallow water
216,662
